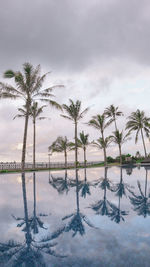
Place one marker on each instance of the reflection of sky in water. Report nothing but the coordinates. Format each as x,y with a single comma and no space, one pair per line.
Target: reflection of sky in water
113,244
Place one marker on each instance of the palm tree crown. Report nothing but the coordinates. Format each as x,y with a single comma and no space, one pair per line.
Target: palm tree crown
99,122
74,111
102,143
61,144
112,112
83,143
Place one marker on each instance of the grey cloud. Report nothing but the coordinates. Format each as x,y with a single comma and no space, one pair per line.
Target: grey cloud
73,34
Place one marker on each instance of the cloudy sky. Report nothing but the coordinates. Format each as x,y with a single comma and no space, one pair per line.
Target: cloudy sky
100,51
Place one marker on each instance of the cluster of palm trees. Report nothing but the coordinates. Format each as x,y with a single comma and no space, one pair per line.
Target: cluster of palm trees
29,89
137,121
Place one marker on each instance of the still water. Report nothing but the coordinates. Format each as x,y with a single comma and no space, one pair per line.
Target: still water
98,218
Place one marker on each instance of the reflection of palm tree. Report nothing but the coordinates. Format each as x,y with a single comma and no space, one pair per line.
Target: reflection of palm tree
77,218
60,184
141,201
121,187
34,221
85,186
103,207
28,253
117,214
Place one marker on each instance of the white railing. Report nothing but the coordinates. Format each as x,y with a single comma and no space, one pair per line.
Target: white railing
43,165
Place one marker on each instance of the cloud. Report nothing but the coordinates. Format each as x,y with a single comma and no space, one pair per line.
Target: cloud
98,49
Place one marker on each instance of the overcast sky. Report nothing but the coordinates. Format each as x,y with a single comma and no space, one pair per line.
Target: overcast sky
100,51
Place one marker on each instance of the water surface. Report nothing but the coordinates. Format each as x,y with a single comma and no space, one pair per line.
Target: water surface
53,219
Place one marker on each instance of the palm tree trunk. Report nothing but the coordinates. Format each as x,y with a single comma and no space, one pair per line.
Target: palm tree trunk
115,123
34,144
143,143
65,152
25,139
76,153
120,154
84,157
105,157
104,149
76,147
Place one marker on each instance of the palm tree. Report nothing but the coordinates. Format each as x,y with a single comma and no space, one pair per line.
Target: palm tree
140,123
119,138
74,114
102,144
112,112
83,143
61,144
35,112
99,122
29,89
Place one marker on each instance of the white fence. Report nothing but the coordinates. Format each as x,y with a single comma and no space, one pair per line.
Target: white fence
43,165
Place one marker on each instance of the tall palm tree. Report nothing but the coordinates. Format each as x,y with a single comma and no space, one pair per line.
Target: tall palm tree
140,123
100,123
74,114
119,138
102,144
35,112
29,89
112,112
61,144
83,143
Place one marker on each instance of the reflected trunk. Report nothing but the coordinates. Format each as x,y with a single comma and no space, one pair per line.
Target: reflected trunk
28,234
